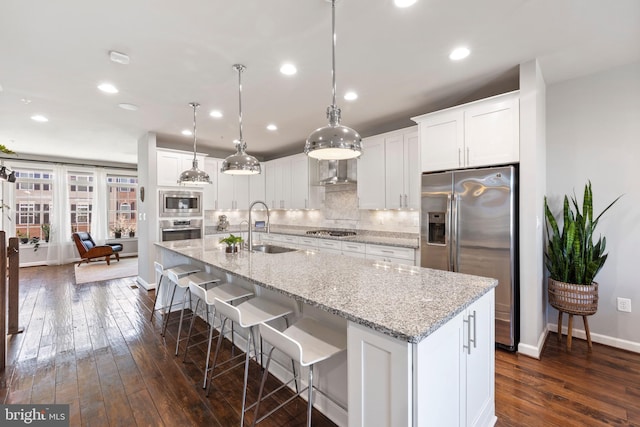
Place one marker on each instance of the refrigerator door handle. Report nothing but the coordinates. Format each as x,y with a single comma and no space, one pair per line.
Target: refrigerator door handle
449,235
454,232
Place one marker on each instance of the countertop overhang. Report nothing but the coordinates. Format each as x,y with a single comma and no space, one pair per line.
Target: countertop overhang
405,302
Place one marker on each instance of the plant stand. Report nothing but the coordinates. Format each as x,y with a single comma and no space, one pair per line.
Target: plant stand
573,299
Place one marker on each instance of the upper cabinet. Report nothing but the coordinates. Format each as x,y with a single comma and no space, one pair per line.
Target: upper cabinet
171,163
389,171
287,183
481,133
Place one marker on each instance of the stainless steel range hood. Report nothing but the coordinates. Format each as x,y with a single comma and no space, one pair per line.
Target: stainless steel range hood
332,172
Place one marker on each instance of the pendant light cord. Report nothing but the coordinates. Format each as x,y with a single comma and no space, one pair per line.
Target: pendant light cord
333,49
195,106
240,68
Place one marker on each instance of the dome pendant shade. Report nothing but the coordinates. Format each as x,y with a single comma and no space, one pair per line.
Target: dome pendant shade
194,175
334,141
240,163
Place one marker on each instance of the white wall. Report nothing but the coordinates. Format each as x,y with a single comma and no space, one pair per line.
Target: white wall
594,134
533,328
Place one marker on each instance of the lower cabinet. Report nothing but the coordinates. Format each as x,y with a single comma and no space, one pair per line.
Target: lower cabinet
447,379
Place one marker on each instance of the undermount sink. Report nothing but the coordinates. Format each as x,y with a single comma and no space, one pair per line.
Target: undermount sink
271,249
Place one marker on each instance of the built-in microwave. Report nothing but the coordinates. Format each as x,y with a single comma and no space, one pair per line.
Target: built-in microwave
180,203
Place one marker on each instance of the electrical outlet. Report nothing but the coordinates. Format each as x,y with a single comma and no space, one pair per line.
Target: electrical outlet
624,304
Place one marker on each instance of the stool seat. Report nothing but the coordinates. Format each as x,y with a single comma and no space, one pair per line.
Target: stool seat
307,341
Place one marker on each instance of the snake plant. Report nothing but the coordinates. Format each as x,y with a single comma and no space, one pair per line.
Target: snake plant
571,255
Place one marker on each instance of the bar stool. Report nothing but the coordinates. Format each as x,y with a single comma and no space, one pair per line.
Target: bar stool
201,278
247,315
308,342
225,292
180,271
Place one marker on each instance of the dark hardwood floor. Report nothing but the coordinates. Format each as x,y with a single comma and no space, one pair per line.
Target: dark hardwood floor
93,346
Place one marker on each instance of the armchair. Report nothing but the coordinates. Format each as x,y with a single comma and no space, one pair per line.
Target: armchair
88,249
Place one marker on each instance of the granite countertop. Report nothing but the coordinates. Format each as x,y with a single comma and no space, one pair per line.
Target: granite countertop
389,239
405,302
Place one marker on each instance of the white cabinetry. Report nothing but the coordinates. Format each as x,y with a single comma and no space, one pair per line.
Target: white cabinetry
233,190
171,163
389,171
354,249
329,246
480,133
210,192
391,254
257,187
287,184
447,379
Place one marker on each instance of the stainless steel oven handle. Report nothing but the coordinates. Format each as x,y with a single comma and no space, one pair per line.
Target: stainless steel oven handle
180,229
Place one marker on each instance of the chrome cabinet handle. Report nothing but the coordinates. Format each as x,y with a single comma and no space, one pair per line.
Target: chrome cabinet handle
467,156
406,205
459,161
469,339
401,200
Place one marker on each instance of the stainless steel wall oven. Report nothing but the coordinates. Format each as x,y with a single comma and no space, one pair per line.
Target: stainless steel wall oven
180,229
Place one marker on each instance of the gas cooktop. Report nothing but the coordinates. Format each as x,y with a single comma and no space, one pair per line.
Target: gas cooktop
332,233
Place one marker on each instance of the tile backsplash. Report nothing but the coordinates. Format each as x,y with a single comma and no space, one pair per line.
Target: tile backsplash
340,211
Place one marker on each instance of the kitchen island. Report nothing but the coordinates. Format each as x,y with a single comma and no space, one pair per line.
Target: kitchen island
420,342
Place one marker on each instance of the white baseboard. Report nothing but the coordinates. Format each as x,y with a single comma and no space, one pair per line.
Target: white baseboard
145,285
534,351
599,338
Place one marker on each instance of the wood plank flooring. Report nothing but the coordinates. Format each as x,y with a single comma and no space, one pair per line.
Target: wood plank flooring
93,346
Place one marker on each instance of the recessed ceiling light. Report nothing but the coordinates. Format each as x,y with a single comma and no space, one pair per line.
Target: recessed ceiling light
26,101
272,127
186,132
350,96
118,57
288,69
39,118
404,3
459,53
130,107
108,88
216,114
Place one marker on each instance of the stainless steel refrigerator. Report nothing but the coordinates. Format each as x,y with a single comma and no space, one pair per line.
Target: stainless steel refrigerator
469,225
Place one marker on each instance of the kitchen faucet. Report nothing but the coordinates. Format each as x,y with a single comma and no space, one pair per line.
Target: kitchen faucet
248,228
250,234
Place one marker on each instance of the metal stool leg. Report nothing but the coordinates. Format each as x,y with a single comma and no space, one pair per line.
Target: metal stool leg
155,299
250,338
166,320
215,356
265,374
193,319
310,401
184,300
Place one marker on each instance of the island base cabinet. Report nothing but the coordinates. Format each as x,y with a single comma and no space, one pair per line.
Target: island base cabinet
447,379
454,370
379,370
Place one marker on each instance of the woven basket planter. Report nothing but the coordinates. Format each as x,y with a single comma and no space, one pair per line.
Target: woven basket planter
573,299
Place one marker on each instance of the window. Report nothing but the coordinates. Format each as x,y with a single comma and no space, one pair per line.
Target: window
33,202
123,191
81,201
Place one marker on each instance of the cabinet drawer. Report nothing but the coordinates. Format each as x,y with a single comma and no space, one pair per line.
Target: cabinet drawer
289,239
308,241
353,247
330,244
391,252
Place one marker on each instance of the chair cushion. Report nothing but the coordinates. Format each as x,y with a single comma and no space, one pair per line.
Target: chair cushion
117,247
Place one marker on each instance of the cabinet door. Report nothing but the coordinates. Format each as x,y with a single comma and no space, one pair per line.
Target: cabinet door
282,183
168,166
480,367
210,192
412,173
257,186
300,182
270,184
438,377
442,139
491,132
394,172
379,378
371,175
241,192
225,189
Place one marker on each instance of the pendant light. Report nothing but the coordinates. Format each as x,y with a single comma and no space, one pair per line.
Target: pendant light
240,163
334,141
194,175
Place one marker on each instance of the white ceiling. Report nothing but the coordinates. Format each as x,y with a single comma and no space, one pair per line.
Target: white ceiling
54,53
